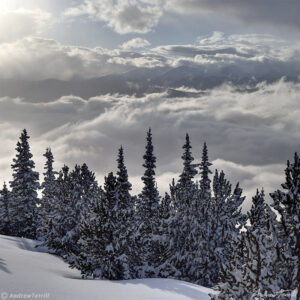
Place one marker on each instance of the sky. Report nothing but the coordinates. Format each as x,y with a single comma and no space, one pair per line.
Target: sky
86,76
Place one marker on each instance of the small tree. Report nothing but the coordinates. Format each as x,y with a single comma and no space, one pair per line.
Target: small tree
189,170
4,211
48,194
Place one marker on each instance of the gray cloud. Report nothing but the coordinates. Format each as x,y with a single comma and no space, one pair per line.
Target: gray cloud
124,16
250,135
240,59
141,16
277,13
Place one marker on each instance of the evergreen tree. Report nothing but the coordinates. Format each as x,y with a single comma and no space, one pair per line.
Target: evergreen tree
256,215
58,223
101,254
147,215
189,170
166,210
204,172
287,203
148,206
89,189
125,218
4,211
255,271
24,198
185,240
48,194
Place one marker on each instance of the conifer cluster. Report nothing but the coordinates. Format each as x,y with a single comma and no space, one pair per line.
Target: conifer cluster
196,232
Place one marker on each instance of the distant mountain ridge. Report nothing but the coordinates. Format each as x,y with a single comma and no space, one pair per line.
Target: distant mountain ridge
136,82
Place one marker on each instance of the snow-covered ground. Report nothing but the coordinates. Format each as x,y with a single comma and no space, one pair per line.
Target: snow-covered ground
28,273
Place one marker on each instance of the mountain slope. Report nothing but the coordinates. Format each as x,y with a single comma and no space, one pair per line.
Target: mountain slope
27,271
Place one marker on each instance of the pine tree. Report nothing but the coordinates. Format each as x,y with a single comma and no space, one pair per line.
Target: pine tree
125,218
24,201
166,210
147,215
189,170
254,270
100,249
48,194
90,256
58,223
4,211
184,224
256,214
89,189
204,172
149,196
287,204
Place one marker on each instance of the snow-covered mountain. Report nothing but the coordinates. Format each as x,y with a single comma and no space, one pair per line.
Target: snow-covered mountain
26,270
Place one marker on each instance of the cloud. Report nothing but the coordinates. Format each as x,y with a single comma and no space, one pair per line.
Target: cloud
141,16
249,135
22,59
135,44
21,23
237,58
123,16
258,13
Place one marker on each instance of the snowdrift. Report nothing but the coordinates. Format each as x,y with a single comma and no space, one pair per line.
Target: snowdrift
30,273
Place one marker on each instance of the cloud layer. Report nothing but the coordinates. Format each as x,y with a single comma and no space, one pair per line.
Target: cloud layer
216,58
141,16
250,135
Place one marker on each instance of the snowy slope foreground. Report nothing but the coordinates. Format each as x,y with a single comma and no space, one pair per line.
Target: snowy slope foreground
26,272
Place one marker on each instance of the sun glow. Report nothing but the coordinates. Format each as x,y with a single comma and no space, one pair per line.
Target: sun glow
8,5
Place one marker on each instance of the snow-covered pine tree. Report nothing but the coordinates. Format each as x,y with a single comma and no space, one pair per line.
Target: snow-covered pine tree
287,203
48,194
262,272
183,223
77,208
89,189
203,262
147,238
231,287
24,186
204,172
100,250
189,170
256,215
166,211
4,211
89,259
125,218
55,237
254,272
218,230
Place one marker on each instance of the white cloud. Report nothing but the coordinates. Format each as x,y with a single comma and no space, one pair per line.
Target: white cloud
21,23
233,57
136,43
123,16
